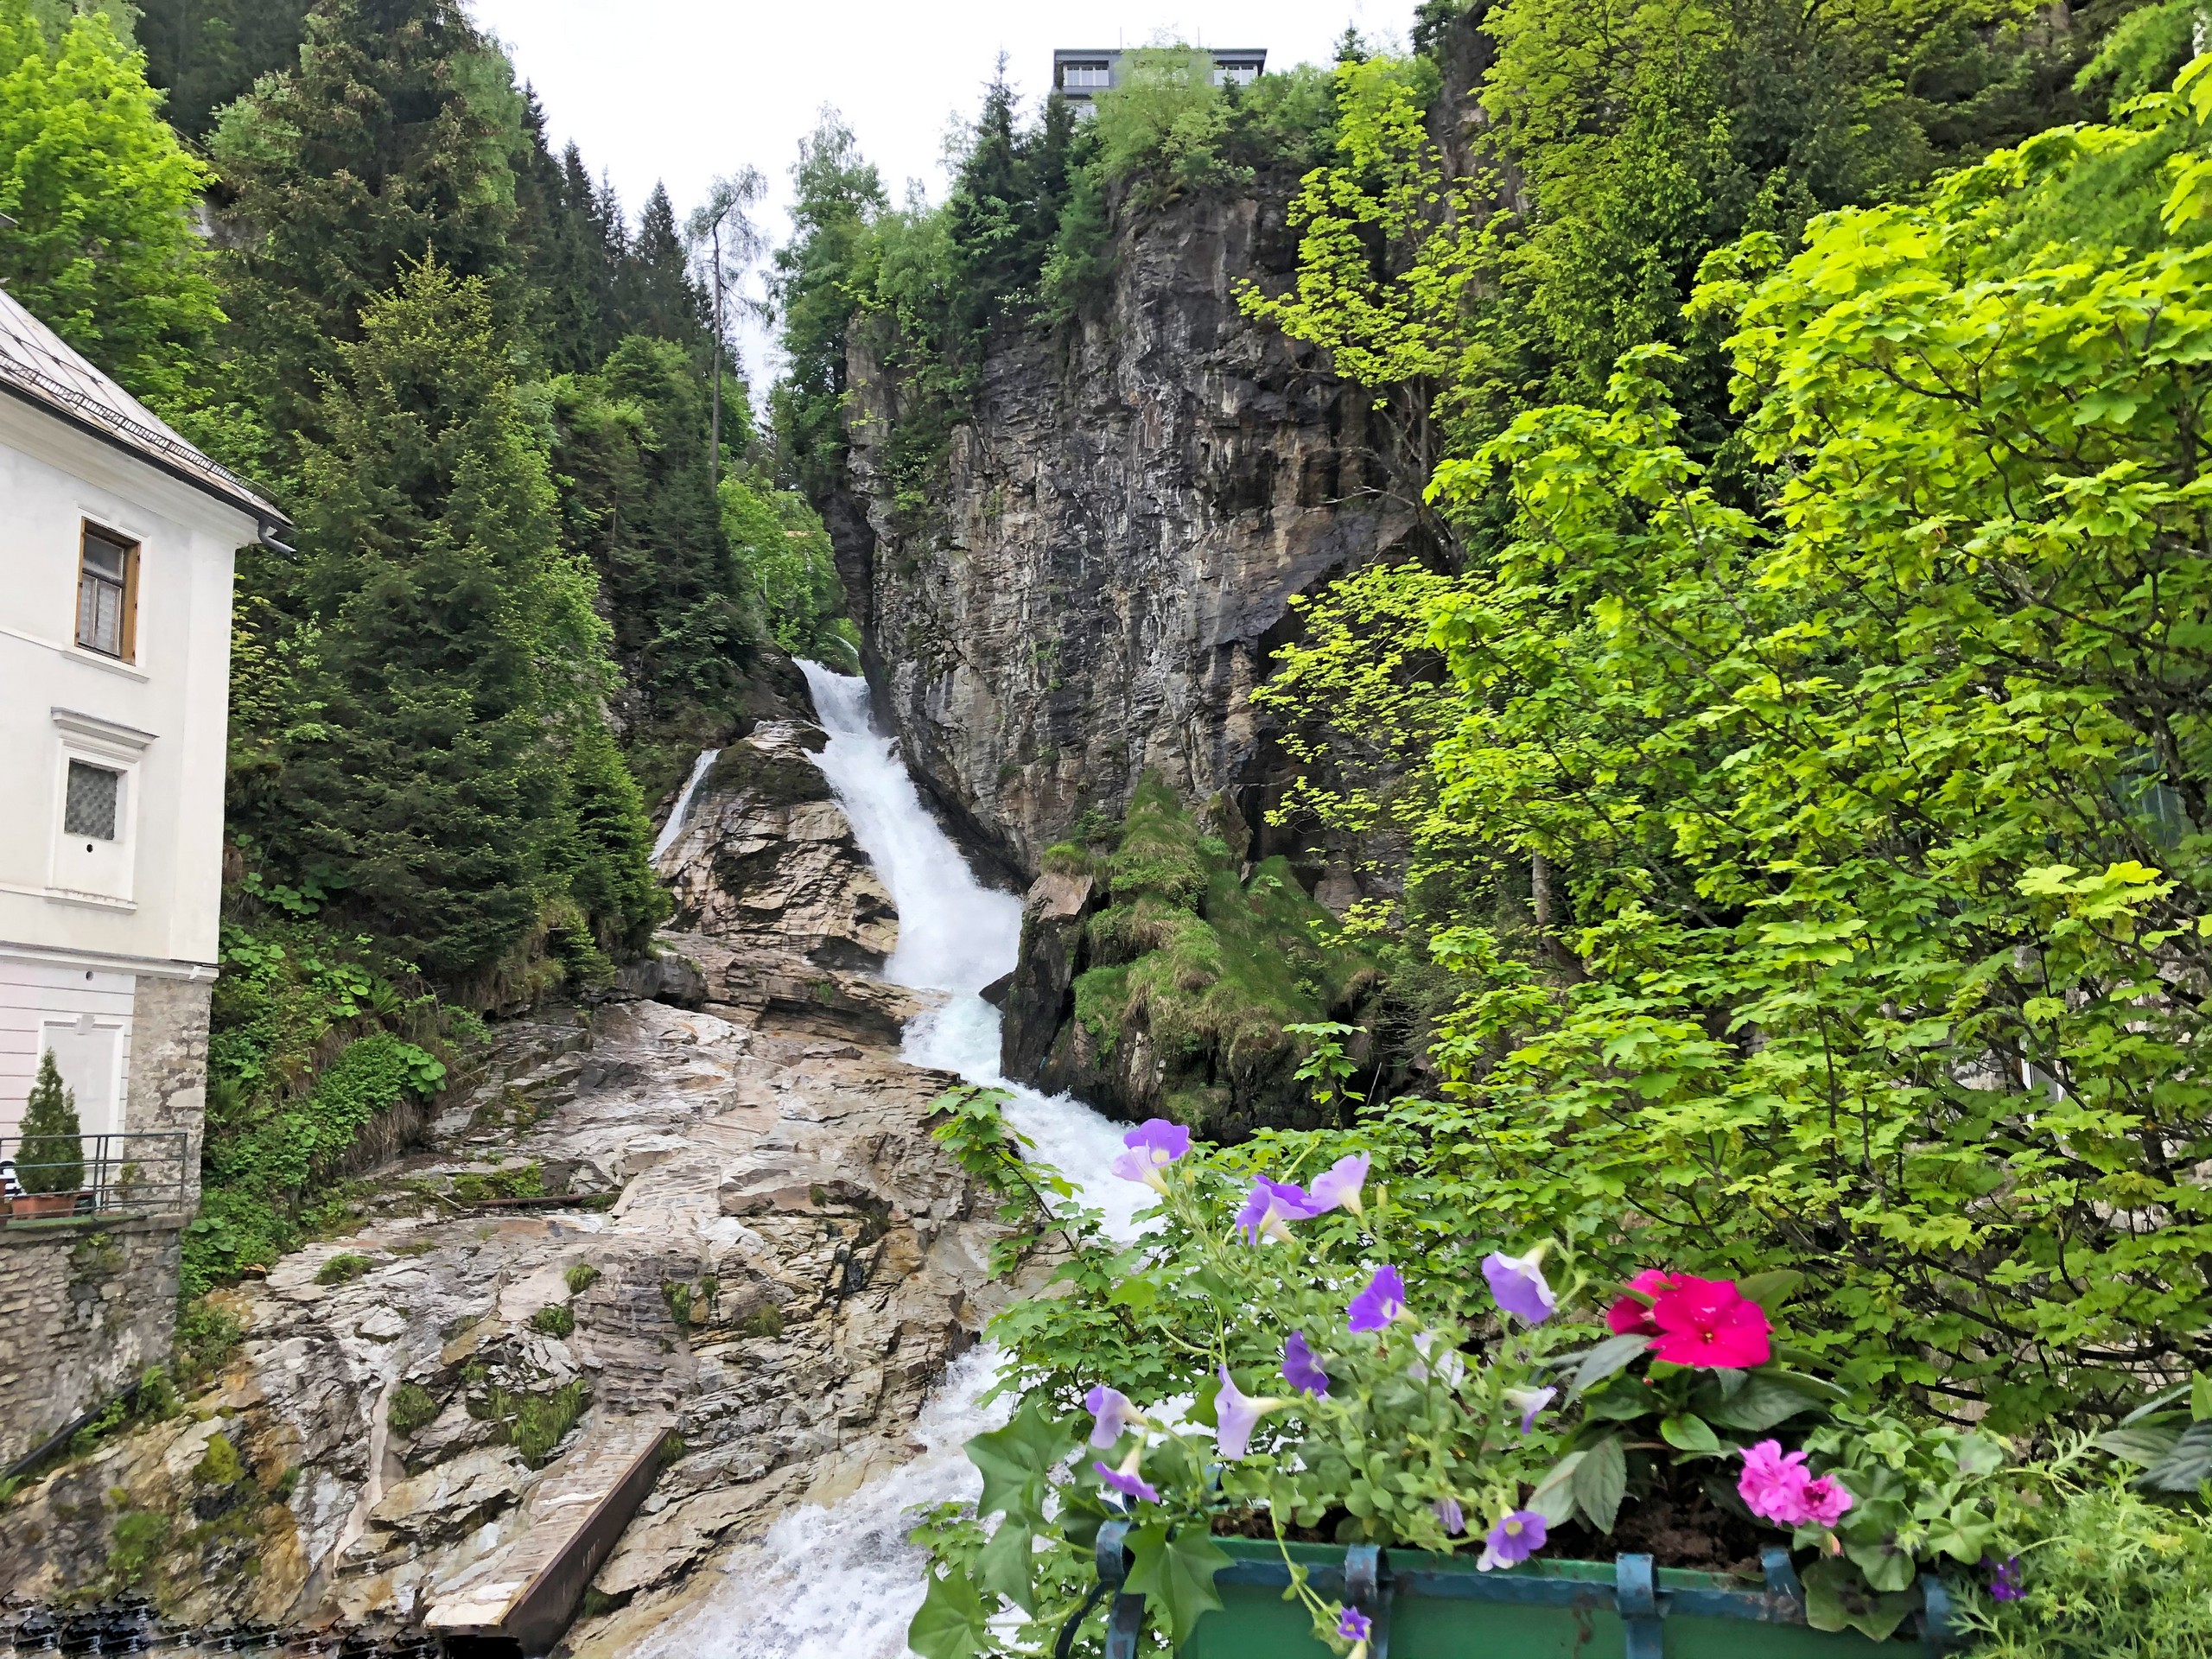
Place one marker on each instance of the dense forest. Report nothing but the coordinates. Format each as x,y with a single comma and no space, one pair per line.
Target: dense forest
524,594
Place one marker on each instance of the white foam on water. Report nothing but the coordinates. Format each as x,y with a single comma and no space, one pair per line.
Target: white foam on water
842,1582
681,809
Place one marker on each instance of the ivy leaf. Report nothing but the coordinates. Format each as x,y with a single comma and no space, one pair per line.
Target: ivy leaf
1006,1567
949,1624
1687,1432
1608,1356
1015,1461
1175,1576
1838,1598
1600,1480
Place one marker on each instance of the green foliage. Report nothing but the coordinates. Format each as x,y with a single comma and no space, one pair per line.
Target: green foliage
413,1407
221,1465
205,53
103,249
581,1278
137,1545
342,1268
553,1321
541,1421
779,541
206,1336
51,1156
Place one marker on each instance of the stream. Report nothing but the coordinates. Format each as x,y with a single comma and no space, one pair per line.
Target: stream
842,1582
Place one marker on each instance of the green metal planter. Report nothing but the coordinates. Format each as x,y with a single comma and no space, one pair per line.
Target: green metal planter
1440,1607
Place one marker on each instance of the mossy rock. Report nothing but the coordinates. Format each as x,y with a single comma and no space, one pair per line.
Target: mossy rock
778,777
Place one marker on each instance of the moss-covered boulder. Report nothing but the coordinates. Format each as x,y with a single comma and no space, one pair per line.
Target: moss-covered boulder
1166,972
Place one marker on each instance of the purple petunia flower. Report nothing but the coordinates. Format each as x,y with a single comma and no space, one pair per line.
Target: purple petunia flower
2004,1584
1449,1517
1383,1301
1236,1415
1131,1484
1270,1205
1513,1540
1517,1282
1113,1412
1337,1186
1529,1403
1354,1625
1153,1144
1304,1370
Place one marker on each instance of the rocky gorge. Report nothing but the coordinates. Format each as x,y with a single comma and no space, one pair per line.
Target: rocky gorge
707,1224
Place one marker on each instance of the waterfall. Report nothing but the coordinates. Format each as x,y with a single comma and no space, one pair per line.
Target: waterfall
681,809
842,1582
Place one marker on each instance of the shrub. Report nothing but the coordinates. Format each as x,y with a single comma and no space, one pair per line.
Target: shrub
581,1278
51,1156
413,1407
553,1321
342,1268
542,1421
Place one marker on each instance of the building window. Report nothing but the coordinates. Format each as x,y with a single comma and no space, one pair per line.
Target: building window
107,574
1084,77
91,807
1235,74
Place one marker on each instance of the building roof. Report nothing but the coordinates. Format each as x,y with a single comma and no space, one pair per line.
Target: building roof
37,367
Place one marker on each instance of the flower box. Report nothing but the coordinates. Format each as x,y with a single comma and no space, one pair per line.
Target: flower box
41,1206
1441,1607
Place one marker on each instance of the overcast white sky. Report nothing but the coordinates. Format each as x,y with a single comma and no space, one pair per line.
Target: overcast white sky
681,91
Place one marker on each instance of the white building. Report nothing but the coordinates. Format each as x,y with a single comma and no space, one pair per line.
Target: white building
118,539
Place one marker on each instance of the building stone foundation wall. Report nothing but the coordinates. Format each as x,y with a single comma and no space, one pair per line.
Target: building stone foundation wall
167,1086
84,1308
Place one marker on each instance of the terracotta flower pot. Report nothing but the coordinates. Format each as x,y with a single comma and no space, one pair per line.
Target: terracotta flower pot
42,1206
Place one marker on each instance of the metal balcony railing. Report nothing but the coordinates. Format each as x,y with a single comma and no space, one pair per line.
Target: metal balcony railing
115,1175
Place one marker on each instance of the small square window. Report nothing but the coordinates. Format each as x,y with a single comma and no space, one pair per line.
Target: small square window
94,794
1085,77
106,573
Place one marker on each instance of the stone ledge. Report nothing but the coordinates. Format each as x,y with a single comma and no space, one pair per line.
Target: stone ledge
22,1234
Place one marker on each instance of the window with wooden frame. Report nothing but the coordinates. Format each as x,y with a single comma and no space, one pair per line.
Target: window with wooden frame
107,593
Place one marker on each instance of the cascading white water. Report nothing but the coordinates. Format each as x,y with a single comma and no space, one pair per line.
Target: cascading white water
681,809
842,1583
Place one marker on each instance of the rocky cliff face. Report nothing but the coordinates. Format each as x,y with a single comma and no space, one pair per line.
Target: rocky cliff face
1116,537
762,1251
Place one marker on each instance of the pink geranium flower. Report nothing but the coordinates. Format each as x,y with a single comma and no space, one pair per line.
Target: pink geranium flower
1632,1316
1776,1485
1710,1323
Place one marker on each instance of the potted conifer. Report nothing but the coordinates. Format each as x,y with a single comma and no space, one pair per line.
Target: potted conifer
50,1163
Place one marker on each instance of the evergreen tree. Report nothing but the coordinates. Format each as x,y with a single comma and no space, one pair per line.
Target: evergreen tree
392,141
611,878
659,296
565,250
102,248
205,53
452,643
51,1156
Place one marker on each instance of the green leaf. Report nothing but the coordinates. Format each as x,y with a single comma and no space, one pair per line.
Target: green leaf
1887,1567
1761,1403
1838,1598
2200,1397
1137,1293
2185,1468
1687,1432
1608,1356
1007,1565
1771,1289
949,1624
1600,1482
1175,1576
2144,1446
1015,1461
1554,1497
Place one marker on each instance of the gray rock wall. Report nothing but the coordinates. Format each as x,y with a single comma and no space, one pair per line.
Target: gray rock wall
1115,540
167,1091
84,1310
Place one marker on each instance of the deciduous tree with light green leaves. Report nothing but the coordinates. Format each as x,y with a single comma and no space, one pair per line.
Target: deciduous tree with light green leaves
104,249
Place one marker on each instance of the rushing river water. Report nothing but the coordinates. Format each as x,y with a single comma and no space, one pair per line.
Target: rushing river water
842,1582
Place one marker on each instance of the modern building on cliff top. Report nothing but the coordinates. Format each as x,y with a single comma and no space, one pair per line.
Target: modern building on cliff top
118,539
1080,74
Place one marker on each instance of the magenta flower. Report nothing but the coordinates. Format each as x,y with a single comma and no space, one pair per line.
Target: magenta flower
1271,1203
1153,1144
1236,1415
1337,1186
1449,1517
1354,1625
1130,1483
1776,1485
1517,1282
1709,1322
1529,1403
1113,1414
1304,1370
1513,1540
1632,1316
1383,1301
